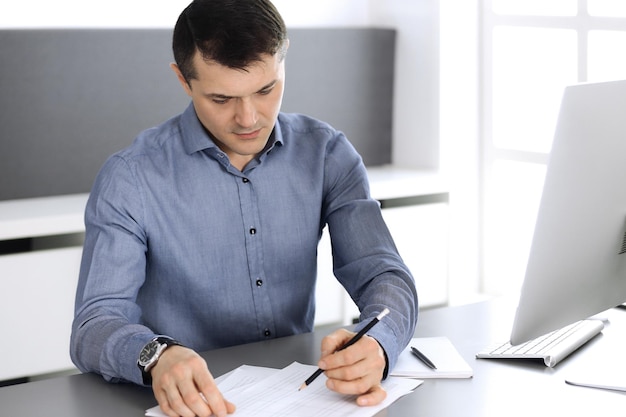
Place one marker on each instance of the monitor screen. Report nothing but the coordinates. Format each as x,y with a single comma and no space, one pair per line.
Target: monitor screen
577,262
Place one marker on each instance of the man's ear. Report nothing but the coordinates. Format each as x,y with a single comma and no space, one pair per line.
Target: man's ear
283,49
183,82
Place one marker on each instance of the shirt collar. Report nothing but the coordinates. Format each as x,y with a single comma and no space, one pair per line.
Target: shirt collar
196,138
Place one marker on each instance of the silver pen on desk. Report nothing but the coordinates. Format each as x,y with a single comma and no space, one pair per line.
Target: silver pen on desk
419,355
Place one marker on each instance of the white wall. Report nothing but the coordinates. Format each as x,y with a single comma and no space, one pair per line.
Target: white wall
81,14
163,13
459,140
416,95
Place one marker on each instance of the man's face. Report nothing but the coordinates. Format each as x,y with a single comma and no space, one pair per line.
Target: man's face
239,108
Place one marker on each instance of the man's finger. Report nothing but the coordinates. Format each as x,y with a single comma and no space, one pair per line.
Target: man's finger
175,405
373,397
196,401
216,403
335,341
366,349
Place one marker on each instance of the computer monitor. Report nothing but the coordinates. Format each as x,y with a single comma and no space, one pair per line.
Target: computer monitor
577,262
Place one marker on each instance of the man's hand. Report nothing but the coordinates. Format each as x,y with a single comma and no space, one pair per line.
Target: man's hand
356,370
183,385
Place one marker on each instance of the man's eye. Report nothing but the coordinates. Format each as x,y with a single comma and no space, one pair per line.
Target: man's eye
220,100
266,91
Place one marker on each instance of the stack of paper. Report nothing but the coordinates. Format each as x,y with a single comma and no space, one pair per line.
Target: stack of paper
265,392
449,363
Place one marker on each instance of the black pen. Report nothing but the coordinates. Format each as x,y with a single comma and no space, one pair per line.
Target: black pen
423,358
350,343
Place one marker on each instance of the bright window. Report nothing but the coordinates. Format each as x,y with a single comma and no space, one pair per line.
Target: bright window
530,67
531,50
607,8
536,7
515,190
607,55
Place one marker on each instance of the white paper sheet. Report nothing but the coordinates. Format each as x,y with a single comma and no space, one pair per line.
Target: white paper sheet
265,392
440,350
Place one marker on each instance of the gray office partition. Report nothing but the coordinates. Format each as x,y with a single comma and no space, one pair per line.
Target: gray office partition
71,97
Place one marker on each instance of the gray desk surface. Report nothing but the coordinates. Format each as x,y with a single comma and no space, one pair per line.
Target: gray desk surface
499,387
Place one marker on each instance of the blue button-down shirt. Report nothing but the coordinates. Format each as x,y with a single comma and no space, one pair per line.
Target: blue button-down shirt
180,243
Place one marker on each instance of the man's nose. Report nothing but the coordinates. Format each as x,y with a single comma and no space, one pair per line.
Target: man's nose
246,114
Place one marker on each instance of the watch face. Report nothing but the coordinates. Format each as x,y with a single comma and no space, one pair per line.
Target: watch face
148,352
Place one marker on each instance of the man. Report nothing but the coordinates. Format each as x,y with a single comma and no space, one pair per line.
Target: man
203,233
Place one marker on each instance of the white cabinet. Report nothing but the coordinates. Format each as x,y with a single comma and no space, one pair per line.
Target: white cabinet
37,286
421,235
416,211
37,304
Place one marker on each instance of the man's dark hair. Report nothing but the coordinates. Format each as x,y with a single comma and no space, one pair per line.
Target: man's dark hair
233,33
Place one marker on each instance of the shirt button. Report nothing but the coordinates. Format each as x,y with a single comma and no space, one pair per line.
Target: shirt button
259,282
267,333
245,180
253,231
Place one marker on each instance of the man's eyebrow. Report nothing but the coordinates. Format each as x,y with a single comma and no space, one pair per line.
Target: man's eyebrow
268,85
226,97
217,96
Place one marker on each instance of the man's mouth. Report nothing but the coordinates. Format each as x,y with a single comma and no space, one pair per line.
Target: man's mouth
248,135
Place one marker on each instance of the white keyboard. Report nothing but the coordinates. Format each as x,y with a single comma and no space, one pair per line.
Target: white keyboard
552,347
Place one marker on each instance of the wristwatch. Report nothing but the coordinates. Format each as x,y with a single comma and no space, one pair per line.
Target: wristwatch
150,354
